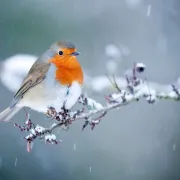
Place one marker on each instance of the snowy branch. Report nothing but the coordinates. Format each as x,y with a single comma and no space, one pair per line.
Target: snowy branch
136,88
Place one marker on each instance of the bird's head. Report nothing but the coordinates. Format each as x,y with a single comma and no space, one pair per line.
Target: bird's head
64,56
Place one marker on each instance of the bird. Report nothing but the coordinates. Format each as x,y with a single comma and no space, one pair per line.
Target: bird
54,80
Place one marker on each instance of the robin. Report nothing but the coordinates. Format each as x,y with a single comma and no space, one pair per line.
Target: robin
54,80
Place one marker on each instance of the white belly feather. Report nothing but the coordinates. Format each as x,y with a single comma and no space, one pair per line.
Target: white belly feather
51,93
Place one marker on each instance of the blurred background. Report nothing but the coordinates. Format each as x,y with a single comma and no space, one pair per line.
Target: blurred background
139,141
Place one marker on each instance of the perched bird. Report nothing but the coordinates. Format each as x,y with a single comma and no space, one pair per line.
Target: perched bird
55,79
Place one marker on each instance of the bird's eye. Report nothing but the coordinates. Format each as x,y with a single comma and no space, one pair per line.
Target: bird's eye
60,53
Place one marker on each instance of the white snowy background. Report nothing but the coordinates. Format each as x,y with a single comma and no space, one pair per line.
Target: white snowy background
139,141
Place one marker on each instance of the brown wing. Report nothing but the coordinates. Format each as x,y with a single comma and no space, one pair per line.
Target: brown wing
35,75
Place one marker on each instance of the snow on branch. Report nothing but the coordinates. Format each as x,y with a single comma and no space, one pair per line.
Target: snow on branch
92,111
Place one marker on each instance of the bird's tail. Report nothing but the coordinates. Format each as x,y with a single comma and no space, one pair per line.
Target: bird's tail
8,113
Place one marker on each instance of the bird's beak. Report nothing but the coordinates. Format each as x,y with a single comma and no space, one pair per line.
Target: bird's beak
75,53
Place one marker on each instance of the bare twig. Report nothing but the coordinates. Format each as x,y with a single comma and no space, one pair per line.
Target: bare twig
113,82
176,91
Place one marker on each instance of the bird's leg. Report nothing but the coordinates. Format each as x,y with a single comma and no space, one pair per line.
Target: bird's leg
64,112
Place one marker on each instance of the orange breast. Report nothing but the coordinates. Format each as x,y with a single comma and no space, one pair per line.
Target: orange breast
67,76
68,69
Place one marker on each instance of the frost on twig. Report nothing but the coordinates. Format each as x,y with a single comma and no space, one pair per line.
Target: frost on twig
92,111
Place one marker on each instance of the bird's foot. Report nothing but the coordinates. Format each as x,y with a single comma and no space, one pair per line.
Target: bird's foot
65,113
51,112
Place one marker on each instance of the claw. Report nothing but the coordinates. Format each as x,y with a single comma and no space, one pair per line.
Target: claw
65,113
51,112
65,110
